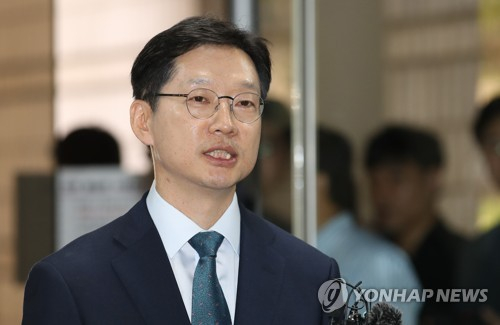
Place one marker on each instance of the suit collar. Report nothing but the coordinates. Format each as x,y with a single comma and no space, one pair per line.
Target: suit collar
260,273
145,271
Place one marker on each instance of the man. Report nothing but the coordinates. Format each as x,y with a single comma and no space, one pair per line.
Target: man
275,170
197,89
88,146
480,267
363,255
487,135
404,167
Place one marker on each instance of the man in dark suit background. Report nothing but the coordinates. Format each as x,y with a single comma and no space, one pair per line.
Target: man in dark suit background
198,90
405,166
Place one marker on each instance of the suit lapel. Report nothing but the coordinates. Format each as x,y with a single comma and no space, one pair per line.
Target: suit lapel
146,273
260,272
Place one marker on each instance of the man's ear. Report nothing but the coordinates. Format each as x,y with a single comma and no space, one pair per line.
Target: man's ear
141,118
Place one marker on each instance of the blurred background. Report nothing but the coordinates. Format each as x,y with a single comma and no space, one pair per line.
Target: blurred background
65,65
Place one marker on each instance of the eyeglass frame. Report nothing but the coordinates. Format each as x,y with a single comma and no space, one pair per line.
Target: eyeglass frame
261,103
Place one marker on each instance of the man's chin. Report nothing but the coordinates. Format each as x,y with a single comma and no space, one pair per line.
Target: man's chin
221,185
224,180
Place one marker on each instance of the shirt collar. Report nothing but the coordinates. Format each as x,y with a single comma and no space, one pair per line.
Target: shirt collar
176,229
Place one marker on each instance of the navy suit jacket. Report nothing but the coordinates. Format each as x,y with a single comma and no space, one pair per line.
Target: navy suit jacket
120,274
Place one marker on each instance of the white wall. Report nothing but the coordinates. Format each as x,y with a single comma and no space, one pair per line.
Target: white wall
95,44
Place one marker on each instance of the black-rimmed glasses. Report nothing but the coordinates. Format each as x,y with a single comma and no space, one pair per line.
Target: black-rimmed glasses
203,103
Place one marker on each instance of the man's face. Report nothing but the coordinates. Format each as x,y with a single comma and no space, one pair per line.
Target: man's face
403,195
491,149
214,153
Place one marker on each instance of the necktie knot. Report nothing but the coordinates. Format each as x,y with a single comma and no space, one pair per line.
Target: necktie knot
206,243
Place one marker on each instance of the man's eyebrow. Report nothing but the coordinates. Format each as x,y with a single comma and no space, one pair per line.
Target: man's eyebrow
205,82
198,81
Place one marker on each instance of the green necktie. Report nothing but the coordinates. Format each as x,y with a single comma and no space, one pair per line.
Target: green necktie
209,305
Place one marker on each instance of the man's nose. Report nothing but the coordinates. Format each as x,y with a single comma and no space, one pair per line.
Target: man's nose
224,120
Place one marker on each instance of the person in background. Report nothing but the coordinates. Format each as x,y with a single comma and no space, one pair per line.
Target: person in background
486,131
404,166
274,163
188,252
480,267
363,255
87,146
267,190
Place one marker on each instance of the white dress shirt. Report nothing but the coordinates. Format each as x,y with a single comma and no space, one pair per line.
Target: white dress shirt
176,229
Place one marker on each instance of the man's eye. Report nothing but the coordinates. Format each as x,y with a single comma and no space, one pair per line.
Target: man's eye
199,99
246,104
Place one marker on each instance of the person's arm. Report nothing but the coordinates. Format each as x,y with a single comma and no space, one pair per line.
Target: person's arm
48,299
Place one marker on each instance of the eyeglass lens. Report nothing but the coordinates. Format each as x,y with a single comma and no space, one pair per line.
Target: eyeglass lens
203,103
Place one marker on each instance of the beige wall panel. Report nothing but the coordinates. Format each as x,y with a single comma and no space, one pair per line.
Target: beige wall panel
25,124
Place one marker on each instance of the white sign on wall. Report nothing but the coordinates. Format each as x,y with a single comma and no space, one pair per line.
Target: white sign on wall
90,197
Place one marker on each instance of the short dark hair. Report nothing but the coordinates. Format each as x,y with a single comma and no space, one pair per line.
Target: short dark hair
404,144
155,64
88,146
485,116
335,159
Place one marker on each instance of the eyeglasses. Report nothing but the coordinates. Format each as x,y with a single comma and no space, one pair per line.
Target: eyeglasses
203,103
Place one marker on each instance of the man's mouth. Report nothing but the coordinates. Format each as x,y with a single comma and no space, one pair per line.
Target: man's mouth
220,154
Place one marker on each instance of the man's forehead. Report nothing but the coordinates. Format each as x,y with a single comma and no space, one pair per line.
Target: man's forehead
203,76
